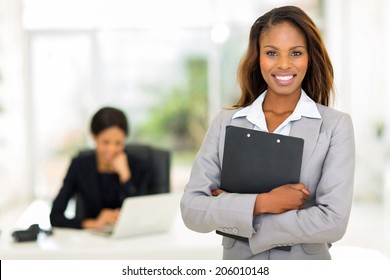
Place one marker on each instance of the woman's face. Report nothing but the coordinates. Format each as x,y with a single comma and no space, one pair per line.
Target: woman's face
283,58
109,143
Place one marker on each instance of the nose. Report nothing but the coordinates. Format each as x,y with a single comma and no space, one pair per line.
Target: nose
284,62
111,150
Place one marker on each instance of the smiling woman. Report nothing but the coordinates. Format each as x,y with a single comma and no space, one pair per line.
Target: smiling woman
286,79
283,63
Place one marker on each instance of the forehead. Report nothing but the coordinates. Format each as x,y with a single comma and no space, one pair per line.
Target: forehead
113,132
282,34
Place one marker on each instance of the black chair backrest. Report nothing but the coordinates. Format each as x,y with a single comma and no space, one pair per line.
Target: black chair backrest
159,161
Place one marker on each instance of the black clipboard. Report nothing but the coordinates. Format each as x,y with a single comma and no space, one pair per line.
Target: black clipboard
257,161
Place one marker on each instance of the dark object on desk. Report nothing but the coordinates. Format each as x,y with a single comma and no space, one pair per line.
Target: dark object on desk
30,234
24,236
257,162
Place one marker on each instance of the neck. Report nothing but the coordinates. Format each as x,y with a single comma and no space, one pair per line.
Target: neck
103,166
280,104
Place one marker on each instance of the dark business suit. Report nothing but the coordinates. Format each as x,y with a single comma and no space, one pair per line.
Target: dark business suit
84,180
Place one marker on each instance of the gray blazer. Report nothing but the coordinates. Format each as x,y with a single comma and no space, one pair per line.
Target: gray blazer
327,171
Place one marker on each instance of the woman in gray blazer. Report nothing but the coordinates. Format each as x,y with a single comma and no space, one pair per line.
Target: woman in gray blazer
286,78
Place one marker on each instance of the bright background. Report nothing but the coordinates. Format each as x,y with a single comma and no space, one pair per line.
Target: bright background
171,65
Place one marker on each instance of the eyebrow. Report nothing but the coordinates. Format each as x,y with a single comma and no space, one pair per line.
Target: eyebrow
295,47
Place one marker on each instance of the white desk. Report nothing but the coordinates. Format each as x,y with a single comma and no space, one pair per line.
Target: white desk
179,243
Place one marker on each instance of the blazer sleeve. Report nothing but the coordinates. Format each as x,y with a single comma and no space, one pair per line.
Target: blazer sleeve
324,221
69,188
202,212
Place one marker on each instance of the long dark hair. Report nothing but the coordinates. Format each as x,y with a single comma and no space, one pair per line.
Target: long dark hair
318,82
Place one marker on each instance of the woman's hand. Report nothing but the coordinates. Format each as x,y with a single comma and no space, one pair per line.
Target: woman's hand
282,199
279,200
217,192
121,166
105,217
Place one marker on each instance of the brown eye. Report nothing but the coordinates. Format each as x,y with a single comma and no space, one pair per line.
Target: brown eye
296,53
270,53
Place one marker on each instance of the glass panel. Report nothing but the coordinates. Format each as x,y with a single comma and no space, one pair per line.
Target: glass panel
150,74
170,70
158,79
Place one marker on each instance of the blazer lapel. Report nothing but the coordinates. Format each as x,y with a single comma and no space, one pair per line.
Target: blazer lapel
309,130
242,122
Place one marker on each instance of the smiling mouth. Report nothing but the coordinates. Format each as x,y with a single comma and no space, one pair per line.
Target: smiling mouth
284,78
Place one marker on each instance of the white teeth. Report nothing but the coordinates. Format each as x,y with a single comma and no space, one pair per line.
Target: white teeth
284,78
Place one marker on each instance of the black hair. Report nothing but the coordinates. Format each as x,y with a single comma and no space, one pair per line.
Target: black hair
108,117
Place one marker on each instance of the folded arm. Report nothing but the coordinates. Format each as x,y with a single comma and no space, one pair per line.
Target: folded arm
325,218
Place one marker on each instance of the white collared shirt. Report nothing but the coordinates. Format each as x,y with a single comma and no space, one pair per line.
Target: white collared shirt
254,113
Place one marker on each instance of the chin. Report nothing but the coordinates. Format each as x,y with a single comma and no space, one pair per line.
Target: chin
109,160
286,90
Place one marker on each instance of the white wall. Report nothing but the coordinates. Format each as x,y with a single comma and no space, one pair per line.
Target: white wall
355,37
358,34
386,101
14,166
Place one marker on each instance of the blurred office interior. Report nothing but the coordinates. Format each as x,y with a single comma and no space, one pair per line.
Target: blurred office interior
171,65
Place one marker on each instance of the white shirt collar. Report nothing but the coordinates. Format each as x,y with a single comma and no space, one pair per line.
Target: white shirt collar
306,107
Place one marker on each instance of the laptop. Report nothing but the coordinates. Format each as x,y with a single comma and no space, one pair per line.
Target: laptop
141,215
257,161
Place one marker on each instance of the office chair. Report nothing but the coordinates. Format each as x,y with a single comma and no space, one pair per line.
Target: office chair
159,161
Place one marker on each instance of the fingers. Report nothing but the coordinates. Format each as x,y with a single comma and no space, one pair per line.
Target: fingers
305,191
217,192
301,187
108,216
119,162
299,198
120,166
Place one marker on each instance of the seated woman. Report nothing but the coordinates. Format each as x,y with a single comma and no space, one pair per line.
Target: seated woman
103,178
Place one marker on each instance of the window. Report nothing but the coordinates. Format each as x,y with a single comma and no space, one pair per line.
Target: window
170,65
